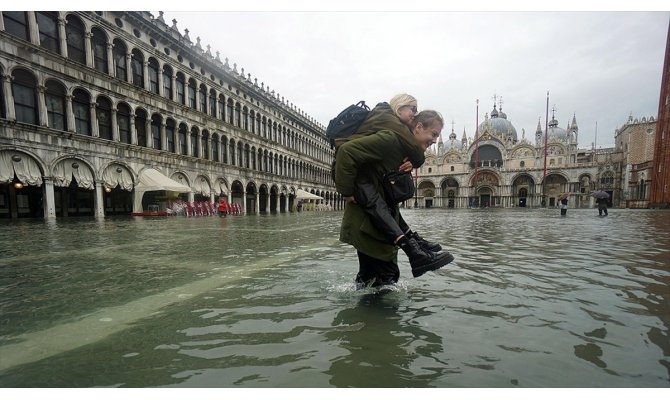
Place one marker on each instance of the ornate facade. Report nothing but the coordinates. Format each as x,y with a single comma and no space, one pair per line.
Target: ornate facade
635,139
499,169
92,100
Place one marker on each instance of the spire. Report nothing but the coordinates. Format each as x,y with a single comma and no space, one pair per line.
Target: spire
573,125
539,127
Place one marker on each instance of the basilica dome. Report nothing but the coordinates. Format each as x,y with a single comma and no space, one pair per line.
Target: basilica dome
556,132
498,125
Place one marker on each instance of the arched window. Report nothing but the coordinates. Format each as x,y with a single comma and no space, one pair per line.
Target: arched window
181,88
232,152
247,162
16,24
252,115
240,154
74,34
245,119
81,105
238,115
212,103
215,147
25,96
103,113
202,99
123,121
153,75
141,127
169,134
156,132
194,141
205,144
182,140
191,93
222,108
167,82
258,123
99,50
224,149
47,22
137,60
229,110
119,53
54,97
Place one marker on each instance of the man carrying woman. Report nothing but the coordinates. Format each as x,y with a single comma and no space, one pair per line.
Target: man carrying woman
372,222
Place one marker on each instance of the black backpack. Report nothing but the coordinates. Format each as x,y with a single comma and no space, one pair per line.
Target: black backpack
347,122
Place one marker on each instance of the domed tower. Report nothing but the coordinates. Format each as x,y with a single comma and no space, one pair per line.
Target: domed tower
499,127
556,133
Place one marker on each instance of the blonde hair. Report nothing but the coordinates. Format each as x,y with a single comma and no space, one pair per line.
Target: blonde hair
401,100
427,118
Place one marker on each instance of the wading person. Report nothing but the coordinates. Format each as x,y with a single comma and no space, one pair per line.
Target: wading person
361,165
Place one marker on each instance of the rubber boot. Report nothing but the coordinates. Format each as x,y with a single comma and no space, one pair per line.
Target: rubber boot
425,245
376,208
423,261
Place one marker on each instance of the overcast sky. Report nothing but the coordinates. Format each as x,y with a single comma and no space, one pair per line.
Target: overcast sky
600,66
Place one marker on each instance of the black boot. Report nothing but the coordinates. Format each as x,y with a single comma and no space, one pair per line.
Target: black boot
425,245
420,260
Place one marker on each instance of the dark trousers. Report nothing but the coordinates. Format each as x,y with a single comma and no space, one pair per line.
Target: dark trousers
564,211
373,272
602,210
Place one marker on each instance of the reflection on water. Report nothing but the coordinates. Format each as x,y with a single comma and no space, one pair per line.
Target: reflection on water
532,300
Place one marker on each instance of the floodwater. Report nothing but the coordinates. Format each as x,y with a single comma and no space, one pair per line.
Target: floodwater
532,299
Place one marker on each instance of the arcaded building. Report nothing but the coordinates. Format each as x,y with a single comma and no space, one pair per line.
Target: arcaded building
99,111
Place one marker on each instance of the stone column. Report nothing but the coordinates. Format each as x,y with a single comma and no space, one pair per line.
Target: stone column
99,202
10,112
174,88
69,112
42,106
110,60
257,204
188,144
191,197
94,122
33,30
50,200
147,127
129,68
133,132
163,135
267,203
160,80
62,37
88,49
116,135
145,74
2,23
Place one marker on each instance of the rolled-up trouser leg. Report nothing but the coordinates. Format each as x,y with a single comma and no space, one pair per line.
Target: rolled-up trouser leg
376,208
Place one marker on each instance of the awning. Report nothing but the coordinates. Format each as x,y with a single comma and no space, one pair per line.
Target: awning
154,180
301,194
150,180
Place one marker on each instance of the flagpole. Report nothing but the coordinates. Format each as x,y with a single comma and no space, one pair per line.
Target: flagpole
546,132
477,140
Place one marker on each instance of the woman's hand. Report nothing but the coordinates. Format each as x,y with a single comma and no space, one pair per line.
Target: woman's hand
406,166
349,199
